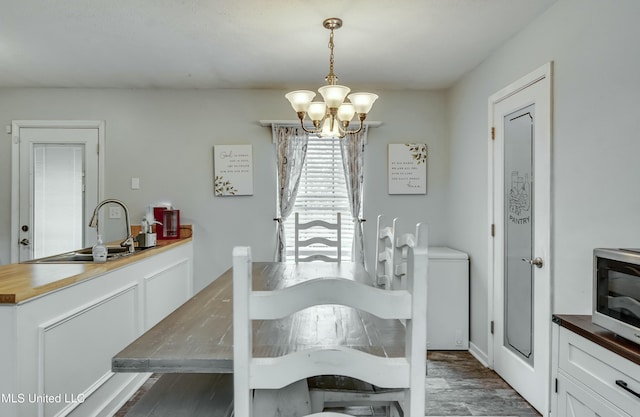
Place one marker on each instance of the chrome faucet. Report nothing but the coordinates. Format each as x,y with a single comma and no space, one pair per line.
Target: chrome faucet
128,242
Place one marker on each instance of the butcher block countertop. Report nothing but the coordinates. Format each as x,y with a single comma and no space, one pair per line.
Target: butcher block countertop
23,281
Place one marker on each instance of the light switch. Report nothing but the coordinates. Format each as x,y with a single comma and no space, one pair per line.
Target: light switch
135,183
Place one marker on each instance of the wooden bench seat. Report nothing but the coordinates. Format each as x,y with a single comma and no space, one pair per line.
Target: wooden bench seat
187,395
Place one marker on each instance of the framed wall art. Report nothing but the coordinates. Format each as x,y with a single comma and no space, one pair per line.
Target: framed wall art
407,168
233,170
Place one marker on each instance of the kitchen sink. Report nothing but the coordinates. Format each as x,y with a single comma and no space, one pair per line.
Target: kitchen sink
84,256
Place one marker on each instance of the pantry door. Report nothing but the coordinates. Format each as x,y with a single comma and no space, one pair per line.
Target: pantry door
520,165
57,172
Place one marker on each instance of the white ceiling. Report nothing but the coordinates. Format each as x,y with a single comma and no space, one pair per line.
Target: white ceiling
384,44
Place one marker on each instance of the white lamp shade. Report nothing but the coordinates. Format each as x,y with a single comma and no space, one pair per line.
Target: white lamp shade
334,95
362,102
346,112
300,99
317,110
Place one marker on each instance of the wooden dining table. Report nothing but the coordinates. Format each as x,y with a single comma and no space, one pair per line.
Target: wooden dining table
198,336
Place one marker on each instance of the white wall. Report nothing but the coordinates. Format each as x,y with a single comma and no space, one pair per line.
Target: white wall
596,144
166,138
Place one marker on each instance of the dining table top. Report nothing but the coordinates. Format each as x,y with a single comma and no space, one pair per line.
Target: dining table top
198,336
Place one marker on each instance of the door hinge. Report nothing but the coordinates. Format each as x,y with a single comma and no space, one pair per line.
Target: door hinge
98,149
491,326
493,133
556,385
493,230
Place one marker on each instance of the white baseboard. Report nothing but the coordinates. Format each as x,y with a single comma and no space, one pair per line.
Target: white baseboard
479,355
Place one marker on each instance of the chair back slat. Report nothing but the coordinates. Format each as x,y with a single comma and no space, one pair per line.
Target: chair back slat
304,248
272,305
389,372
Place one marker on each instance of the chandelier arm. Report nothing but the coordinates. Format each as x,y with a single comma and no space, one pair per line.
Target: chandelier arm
361,116
353,132
314,131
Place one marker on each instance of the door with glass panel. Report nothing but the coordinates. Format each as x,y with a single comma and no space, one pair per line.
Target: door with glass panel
520,247
56,170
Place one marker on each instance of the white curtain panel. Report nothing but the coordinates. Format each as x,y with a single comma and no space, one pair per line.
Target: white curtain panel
291,150
352,148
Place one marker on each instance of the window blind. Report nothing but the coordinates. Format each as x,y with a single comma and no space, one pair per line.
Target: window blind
321,194
58,198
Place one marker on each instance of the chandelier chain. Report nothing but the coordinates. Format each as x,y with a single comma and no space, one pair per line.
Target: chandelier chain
331,78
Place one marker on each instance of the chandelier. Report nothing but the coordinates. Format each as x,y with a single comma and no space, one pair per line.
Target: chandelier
332,116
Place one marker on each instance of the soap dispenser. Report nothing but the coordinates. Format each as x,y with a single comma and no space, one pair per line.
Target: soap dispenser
146,238
99,251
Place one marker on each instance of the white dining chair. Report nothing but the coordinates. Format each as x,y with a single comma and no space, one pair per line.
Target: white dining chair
404,241
328,236
391,273
271,373
384,251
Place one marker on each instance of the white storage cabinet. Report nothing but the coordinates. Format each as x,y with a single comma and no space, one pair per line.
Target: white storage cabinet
447,299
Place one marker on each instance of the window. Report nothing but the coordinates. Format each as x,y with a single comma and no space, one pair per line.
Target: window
322,193
58,198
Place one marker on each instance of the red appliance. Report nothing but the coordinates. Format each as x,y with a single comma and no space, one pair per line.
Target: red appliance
169,227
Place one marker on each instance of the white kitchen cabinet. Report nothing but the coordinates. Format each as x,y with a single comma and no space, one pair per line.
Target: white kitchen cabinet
447,299
57,347
576,400
588,376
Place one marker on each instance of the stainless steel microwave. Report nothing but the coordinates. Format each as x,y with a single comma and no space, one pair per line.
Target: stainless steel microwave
616,291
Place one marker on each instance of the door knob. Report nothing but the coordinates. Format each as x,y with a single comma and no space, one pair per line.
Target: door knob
536,261
24,242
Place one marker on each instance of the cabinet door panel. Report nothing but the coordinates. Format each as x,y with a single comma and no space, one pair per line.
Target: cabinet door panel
576,401
599,369
166,289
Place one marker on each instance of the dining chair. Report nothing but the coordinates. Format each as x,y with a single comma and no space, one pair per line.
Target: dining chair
385,243
305,248
406,372
391,270
403,242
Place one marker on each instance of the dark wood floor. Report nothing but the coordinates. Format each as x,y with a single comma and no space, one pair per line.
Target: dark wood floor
457,385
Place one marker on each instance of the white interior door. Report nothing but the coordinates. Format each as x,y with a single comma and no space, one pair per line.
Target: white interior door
520,163
56,185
